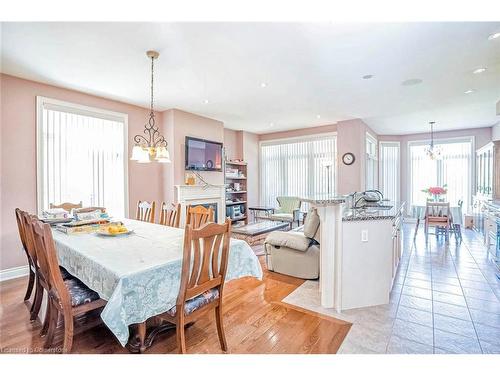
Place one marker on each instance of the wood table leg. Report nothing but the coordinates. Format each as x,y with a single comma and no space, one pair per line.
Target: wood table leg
141,334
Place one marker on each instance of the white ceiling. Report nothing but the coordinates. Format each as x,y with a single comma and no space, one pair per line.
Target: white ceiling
310,69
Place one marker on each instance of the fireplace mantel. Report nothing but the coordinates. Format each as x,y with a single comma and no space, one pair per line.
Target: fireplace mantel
202,194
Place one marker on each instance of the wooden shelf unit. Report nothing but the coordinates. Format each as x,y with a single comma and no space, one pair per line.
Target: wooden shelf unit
240,195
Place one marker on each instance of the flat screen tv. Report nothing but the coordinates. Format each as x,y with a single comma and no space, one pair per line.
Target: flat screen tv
203,155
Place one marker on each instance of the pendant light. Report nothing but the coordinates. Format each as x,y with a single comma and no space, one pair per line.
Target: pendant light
433,151
153,146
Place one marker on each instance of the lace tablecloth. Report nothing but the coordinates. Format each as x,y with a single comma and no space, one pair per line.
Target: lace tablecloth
138,274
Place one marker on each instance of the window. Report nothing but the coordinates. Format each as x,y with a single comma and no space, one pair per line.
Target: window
371,182
454,169
81,156
389,170
297,167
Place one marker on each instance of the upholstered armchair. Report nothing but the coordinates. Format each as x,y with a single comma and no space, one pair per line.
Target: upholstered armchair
288,210
295,253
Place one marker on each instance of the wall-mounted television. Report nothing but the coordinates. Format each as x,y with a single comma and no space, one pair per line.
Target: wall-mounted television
203,155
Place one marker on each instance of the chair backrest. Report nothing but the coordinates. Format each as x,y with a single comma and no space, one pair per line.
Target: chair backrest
198,215
437,209
289,204
25,220
146,211
170,215
20,227
67,206
207,250
90,209
47,262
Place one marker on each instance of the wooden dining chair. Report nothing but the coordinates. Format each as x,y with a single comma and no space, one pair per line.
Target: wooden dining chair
31,266
67,206
170,216
70,297
40,282
202,285
437,214
198,215
146,211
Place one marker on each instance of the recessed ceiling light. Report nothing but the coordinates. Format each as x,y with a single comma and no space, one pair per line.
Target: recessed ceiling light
271,124
263,84
318,116
470,91
494,36
479,70
368,76
206,101
411,82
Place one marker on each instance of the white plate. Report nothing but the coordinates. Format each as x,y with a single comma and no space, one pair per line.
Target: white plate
107,234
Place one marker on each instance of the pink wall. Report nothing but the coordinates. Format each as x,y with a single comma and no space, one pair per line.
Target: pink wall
233,143
177,125
18,175
299,132
251,156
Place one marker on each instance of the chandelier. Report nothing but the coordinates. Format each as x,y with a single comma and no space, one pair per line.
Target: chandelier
153,145
433,151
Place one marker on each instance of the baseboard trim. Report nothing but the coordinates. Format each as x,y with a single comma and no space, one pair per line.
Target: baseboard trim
13,273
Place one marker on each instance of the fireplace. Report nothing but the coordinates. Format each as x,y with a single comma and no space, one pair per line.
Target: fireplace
208,196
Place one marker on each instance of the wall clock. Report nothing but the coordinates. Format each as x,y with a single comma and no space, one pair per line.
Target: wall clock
348,158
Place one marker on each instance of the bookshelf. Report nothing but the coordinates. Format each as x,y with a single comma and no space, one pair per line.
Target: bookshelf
235,178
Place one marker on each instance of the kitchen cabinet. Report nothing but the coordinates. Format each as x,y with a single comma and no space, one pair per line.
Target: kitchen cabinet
484,171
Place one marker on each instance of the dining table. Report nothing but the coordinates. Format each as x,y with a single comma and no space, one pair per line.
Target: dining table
418,212
138,274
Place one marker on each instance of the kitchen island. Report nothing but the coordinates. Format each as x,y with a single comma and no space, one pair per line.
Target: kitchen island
360,251
371,250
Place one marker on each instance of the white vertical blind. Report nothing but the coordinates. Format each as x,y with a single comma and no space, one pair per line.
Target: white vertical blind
371,181
300,167
454,169
81,158
389,169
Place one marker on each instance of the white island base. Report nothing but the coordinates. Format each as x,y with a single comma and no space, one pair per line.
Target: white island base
358,256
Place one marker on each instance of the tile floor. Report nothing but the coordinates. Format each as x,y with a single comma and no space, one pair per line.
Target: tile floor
446,299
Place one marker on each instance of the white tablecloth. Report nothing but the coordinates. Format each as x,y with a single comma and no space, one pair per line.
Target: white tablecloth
138,274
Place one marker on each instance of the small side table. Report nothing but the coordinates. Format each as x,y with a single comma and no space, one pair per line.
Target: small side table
266,210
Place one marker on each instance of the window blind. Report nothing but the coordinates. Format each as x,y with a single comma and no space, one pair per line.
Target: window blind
299,167
389,170
371,180
81,157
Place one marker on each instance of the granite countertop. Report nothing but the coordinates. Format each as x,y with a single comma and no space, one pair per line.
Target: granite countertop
373,213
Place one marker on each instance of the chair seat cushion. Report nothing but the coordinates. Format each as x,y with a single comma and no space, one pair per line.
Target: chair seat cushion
282,217
197,302
64,273
79,292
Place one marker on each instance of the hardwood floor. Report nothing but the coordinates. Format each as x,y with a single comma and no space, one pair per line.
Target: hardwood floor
254,318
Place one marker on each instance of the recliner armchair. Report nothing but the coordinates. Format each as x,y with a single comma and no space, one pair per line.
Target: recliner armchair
288,210
295,253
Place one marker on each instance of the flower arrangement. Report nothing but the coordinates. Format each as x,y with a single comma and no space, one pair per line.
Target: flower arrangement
436,191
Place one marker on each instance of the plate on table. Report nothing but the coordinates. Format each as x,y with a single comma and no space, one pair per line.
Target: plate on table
104,232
